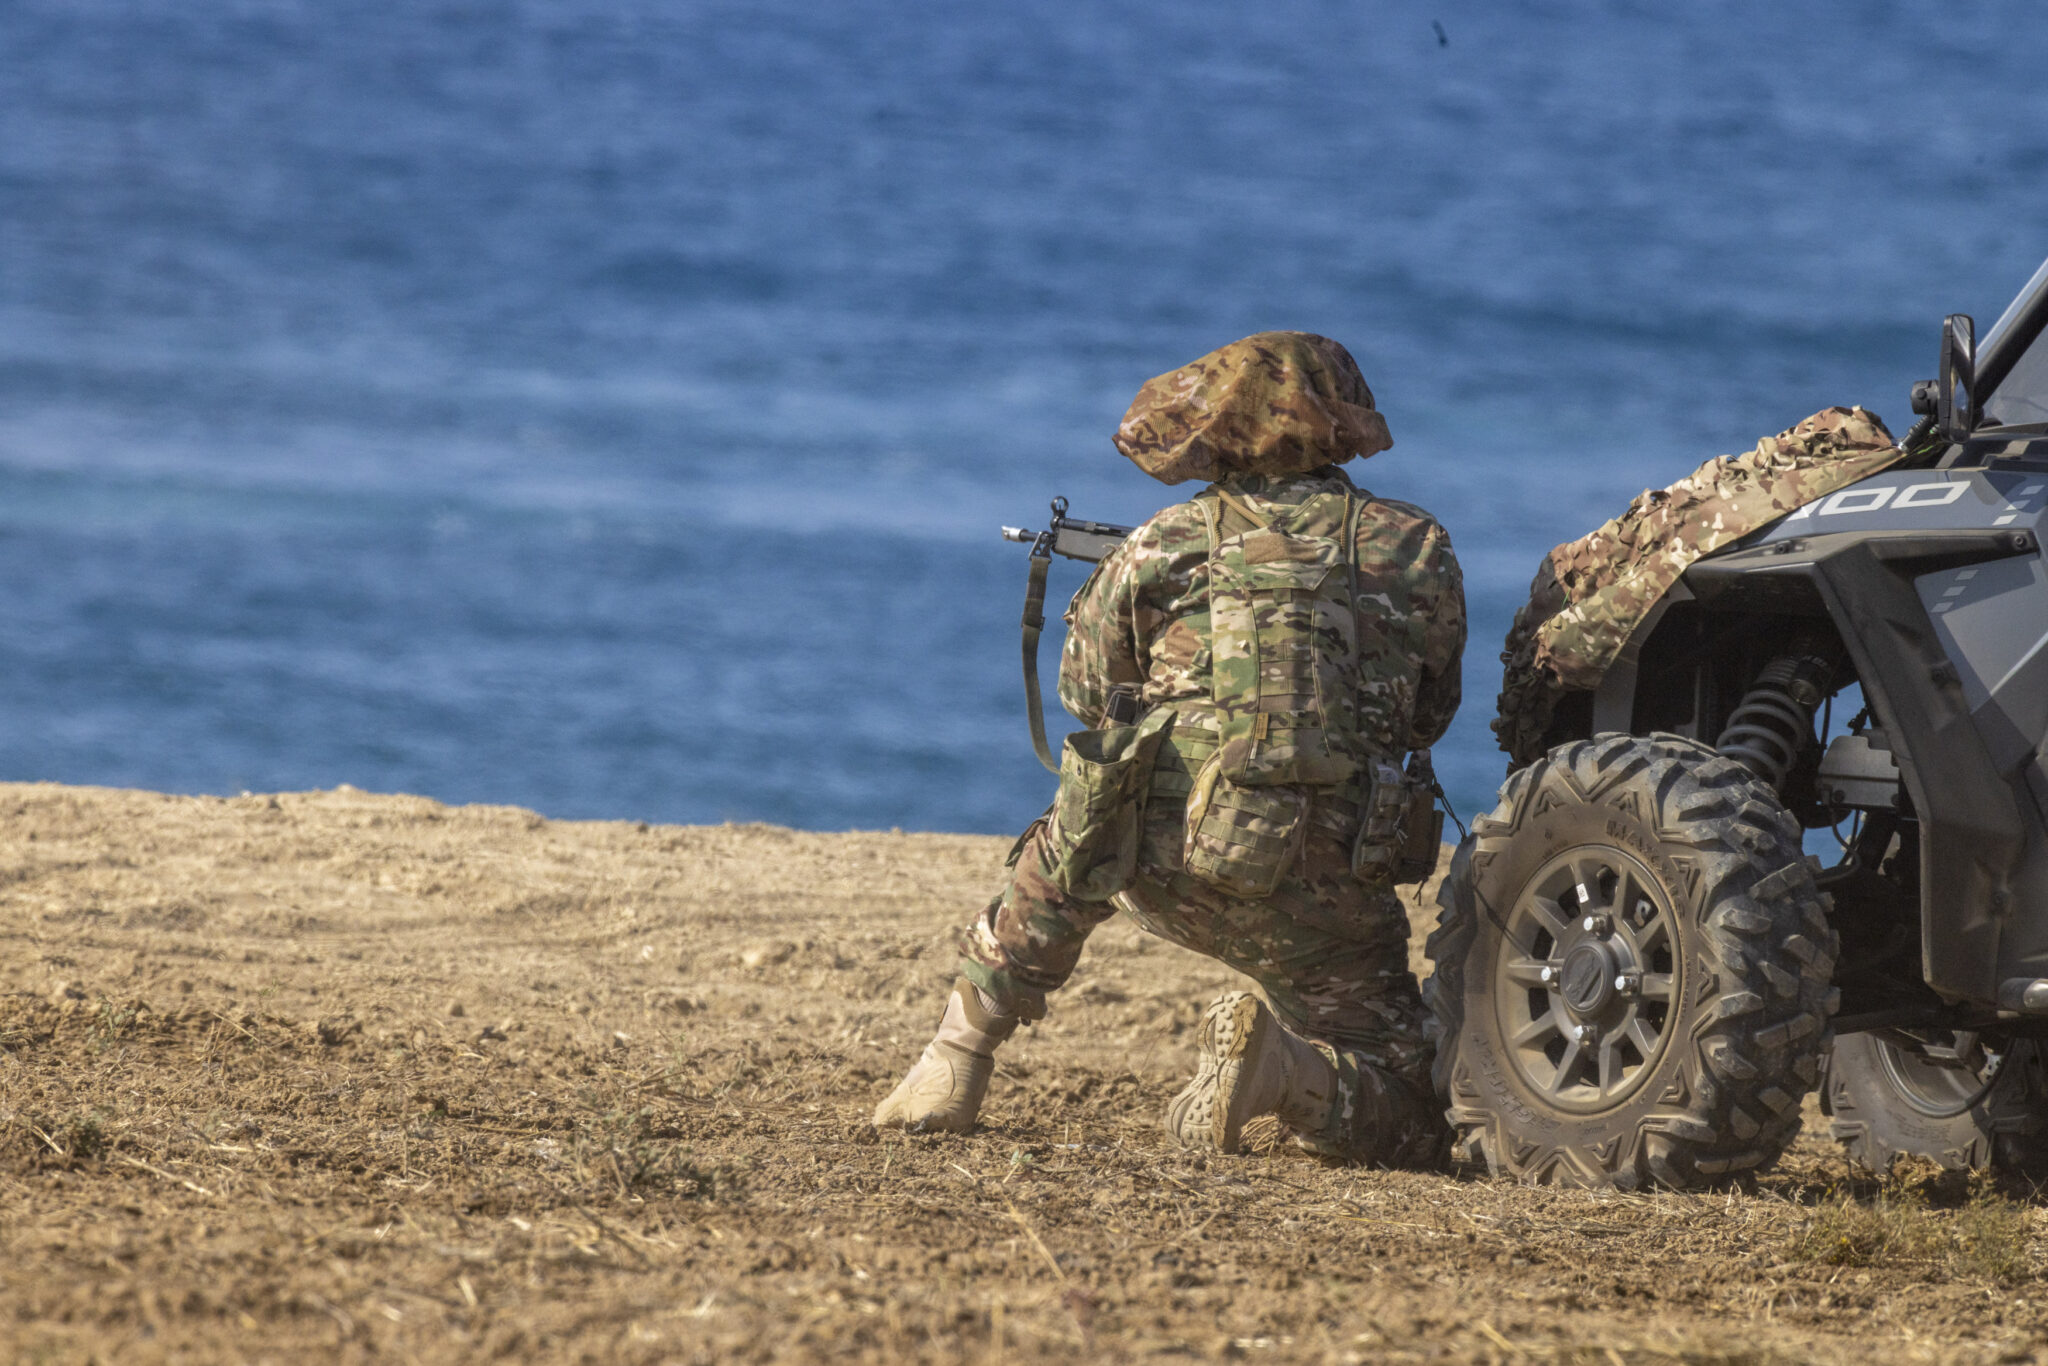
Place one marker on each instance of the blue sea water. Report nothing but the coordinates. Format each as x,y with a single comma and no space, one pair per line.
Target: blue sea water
608,408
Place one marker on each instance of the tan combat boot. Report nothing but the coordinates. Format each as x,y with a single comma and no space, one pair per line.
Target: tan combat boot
943,1091
1250,1065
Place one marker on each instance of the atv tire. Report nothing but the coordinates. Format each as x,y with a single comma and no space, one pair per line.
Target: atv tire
1633,970
1891,1096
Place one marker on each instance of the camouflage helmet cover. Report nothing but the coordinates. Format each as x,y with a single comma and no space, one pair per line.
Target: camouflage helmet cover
1274,403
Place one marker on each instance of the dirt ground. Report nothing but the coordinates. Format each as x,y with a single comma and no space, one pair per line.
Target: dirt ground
333,1076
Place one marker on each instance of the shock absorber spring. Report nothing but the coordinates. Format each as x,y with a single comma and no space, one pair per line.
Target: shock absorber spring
1775,720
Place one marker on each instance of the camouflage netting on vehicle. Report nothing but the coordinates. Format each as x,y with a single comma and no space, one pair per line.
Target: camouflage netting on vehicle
1273,403
1589,595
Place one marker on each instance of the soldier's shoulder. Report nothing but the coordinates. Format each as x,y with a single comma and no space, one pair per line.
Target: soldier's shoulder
1171,528
1407,519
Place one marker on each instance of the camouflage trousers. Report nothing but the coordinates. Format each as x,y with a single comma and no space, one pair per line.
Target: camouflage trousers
1328,953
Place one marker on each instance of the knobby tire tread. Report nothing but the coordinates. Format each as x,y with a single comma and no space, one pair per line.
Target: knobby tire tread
2006,1131
1755,1039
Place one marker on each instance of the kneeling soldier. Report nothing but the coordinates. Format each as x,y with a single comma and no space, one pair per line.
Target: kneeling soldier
1256,662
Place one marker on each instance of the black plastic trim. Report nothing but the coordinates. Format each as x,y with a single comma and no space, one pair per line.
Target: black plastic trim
2004,349
1972,831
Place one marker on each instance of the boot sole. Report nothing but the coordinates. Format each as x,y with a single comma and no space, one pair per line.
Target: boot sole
1214,1107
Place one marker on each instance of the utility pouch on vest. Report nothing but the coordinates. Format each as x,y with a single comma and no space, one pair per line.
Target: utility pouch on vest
1096,819
1401,828
1242,839
1422,836
1376,854
1284,642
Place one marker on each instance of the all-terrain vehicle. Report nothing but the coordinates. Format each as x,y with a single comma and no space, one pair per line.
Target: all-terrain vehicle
1639,972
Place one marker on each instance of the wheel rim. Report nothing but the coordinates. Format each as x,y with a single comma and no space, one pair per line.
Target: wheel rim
1942,1074
1587,985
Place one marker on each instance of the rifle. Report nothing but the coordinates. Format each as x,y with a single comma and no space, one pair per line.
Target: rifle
1076,540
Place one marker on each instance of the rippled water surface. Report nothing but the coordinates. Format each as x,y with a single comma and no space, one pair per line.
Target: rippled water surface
608,408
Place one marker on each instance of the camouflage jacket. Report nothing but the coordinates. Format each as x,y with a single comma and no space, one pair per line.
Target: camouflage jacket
1590,595
1142,619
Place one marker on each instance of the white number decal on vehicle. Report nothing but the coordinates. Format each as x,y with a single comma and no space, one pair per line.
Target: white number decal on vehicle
1936,495
1857,500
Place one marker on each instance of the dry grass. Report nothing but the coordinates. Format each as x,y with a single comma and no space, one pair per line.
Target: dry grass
339,1077
1919,1217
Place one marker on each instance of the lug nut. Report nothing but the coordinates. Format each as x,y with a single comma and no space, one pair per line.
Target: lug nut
1628,983
1586,1033
1601,925
1549,976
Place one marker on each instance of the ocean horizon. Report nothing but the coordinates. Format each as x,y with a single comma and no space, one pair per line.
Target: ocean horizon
610,409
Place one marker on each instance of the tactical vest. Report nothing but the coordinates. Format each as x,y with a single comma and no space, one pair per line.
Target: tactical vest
1286,696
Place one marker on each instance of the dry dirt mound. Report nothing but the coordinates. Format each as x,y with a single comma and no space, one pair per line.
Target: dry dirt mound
339,1076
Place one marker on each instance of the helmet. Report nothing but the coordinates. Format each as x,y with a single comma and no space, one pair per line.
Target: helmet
1274,403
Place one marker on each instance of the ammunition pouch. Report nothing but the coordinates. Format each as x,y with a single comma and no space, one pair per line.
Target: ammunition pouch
1092,834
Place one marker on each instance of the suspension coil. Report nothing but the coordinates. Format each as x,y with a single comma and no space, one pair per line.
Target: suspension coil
1775,719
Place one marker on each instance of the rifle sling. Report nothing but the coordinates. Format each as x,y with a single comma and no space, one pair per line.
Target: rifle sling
1034,623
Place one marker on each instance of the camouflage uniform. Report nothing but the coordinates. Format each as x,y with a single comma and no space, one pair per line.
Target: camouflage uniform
1590,595
1328,950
